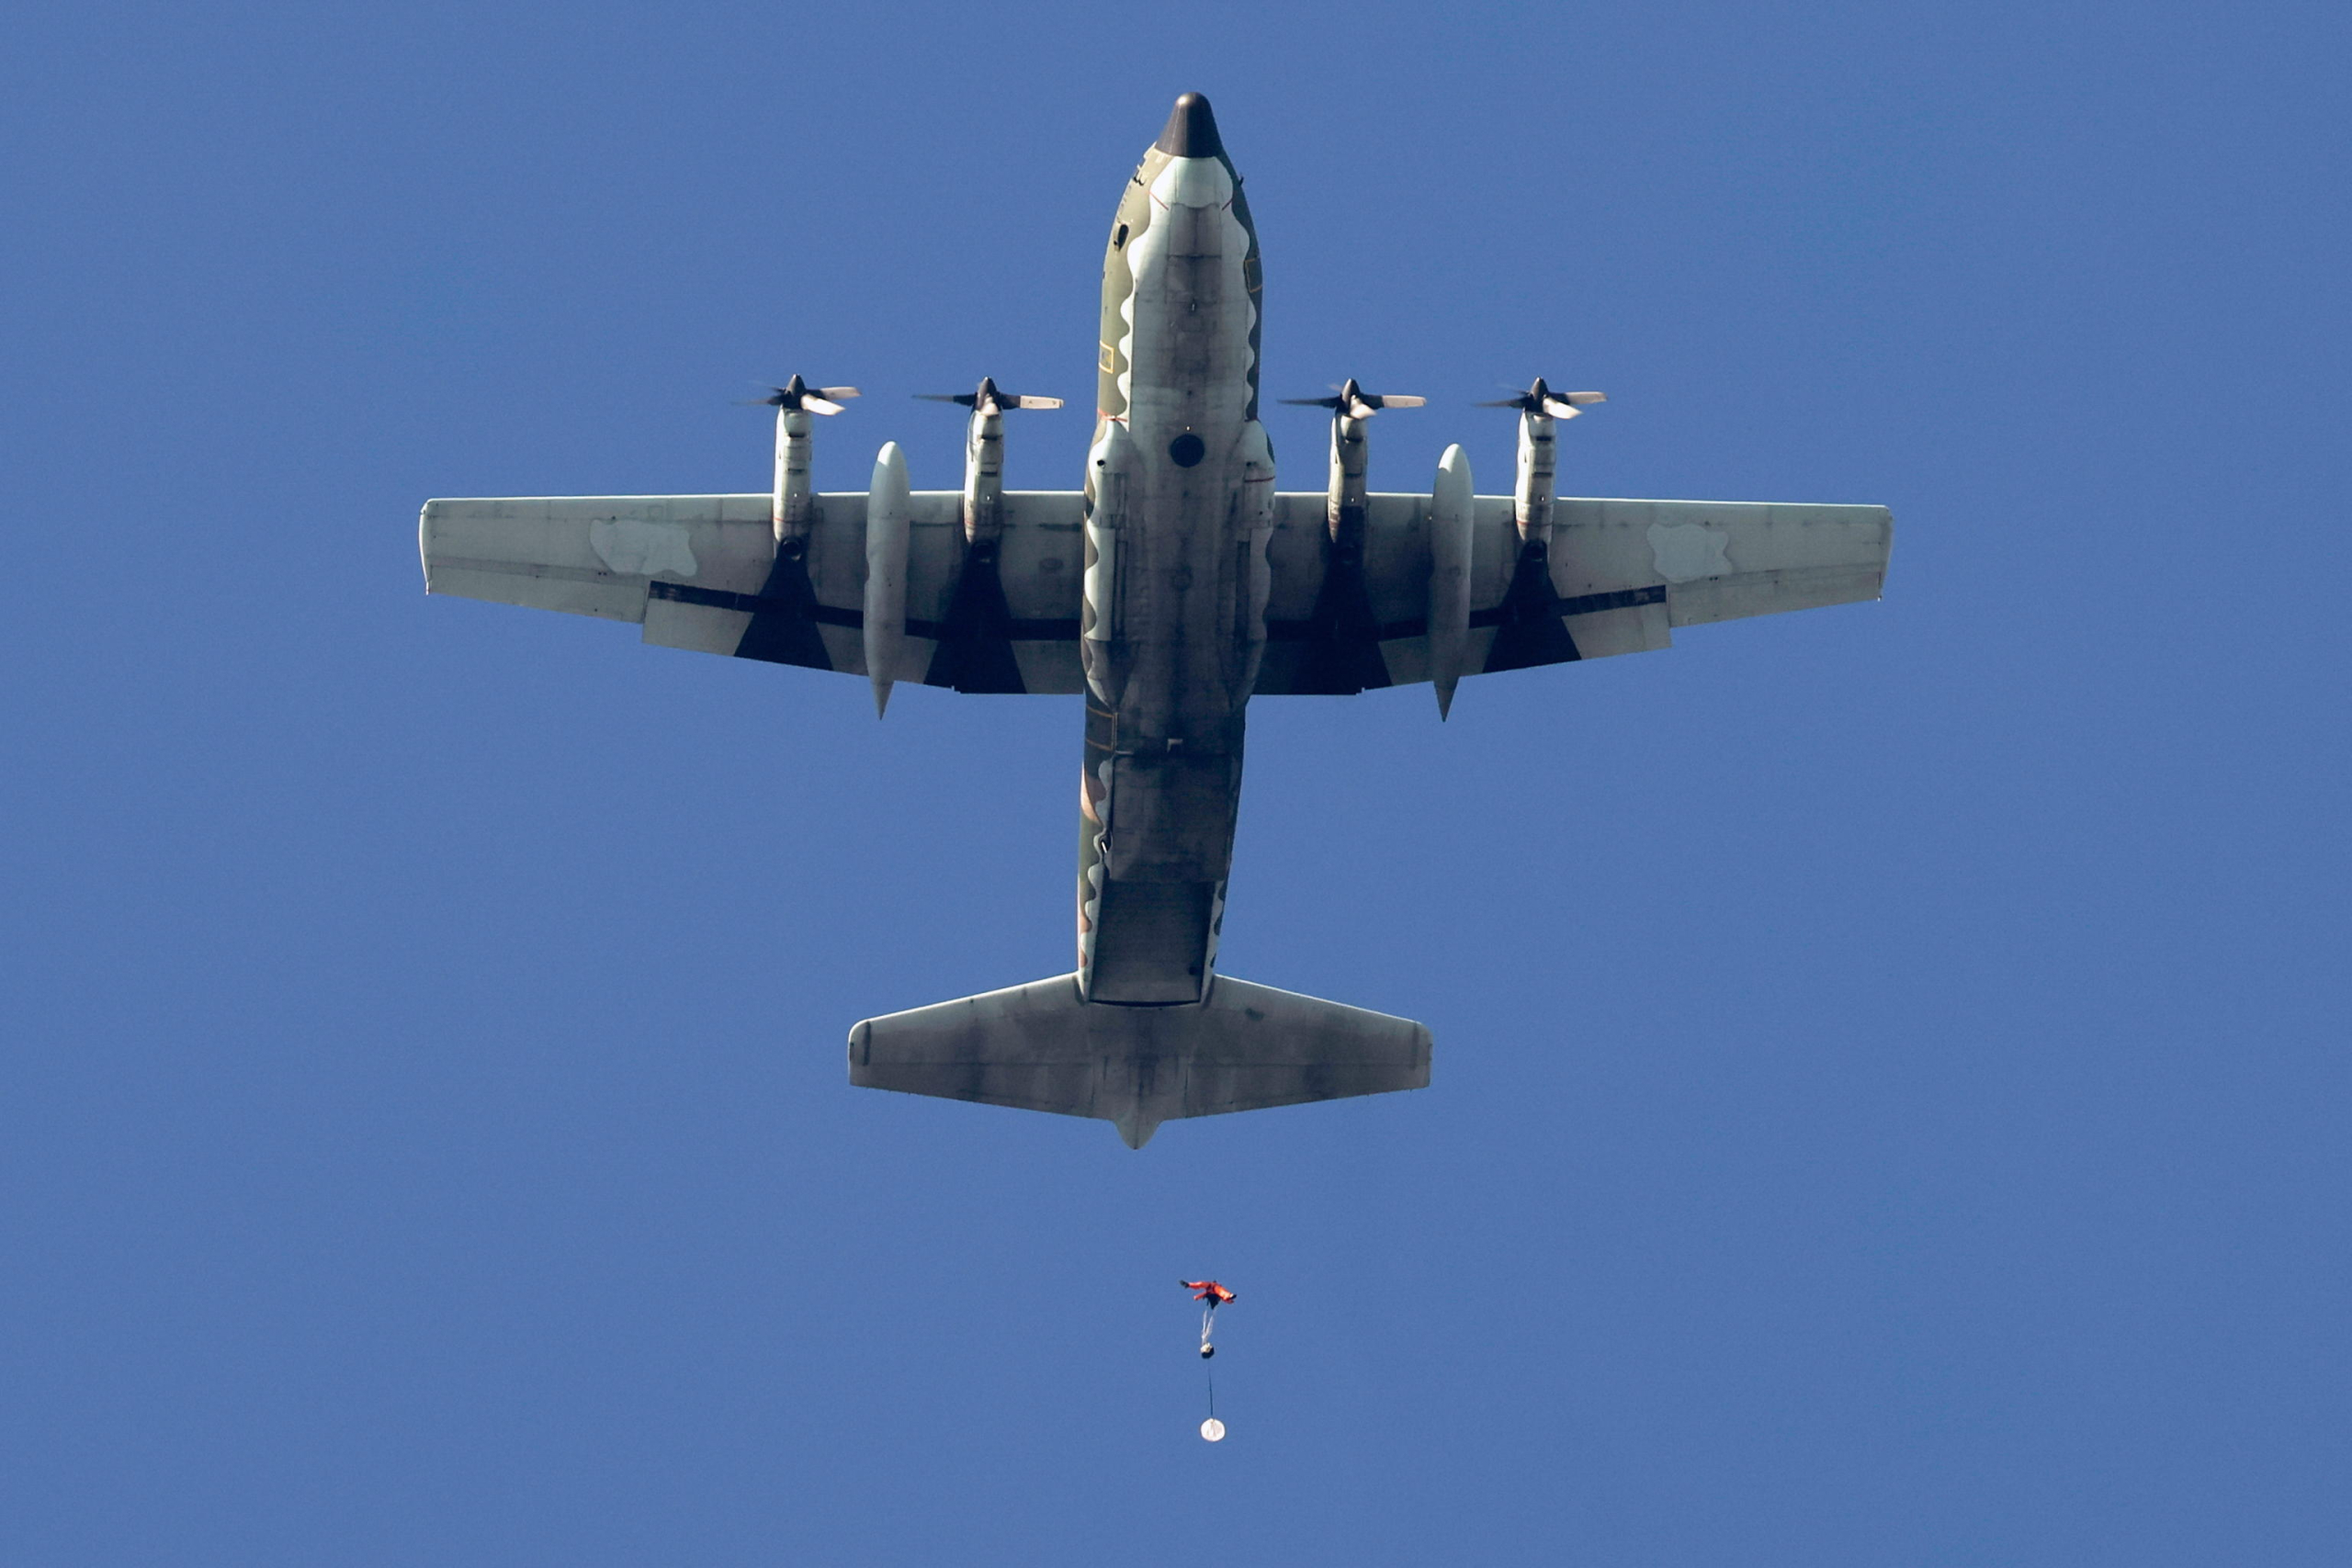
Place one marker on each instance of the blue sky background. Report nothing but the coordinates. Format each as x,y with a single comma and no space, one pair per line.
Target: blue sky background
1891,1077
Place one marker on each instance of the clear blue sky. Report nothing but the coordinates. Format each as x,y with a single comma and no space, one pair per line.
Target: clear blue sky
1891,1076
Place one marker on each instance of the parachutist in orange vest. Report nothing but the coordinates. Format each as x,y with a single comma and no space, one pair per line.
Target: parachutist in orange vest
1216,1295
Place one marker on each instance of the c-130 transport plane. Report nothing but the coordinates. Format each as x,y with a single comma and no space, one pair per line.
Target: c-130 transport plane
1174,587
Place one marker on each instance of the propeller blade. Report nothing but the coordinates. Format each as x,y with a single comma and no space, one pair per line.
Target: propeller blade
1356,404
799,395
1567,405
1003,401
1542,399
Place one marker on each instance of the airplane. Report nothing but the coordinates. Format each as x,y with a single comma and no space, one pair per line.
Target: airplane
1169,590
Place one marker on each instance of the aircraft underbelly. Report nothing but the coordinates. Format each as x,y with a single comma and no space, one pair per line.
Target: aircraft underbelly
1175,733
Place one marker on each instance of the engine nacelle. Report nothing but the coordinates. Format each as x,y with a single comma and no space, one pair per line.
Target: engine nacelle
791,513
1540,410
984,476
1538,464
793,509
1343,502
984,455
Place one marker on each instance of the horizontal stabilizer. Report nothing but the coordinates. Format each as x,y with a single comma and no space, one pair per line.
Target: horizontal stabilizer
1043,1047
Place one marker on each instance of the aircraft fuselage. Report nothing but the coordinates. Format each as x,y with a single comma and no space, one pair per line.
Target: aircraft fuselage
1178,502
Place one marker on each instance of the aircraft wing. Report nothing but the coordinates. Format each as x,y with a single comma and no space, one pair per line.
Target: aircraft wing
702,572
1623,573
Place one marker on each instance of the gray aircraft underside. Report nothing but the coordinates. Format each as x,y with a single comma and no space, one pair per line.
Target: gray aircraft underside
1174,587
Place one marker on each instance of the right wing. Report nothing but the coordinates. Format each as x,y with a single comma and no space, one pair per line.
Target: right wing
703,572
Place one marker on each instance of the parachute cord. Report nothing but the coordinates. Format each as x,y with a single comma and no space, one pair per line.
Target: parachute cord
1211,1393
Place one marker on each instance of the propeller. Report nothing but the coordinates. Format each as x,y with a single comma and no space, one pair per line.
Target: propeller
1540,399
988,400
1357,403
798,395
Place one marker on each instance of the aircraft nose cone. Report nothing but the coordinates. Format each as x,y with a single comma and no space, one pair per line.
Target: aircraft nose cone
1192,130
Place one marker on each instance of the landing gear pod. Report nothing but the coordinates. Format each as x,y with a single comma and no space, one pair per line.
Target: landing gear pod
1109,466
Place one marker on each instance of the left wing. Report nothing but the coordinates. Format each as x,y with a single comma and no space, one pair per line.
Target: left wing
1621,575
703,572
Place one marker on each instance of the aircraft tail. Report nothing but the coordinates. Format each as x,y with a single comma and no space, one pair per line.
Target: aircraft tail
1043,1047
